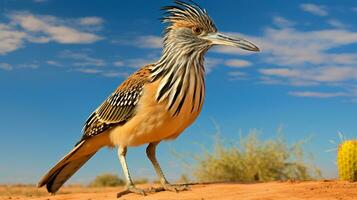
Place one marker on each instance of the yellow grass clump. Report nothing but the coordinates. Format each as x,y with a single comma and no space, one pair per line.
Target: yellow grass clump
253,160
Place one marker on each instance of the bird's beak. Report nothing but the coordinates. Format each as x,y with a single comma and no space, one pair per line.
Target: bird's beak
221,39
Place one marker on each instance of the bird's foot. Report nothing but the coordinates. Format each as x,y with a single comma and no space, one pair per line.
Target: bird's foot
170,187
131,189
175,187
144,192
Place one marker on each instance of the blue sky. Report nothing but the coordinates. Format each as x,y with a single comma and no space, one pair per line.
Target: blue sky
60,59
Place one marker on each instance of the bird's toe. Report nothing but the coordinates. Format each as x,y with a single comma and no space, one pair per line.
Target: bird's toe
131,189
175,187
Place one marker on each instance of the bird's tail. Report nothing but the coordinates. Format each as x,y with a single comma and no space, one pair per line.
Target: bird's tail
70,163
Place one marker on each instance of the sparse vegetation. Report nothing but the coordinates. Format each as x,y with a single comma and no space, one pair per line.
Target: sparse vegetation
183,179
141,181
21,191
254,160
27,190
107,180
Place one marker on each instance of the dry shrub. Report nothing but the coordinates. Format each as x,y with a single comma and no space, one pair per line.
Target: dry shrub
107,180
254,160
141,181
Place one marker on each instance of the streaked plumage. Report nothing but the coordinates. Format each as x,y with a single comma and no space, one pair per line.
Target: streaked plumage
118,107
158,102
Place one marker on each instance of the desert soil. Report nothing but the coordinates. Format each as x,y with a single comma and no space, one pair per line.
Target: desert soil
317,190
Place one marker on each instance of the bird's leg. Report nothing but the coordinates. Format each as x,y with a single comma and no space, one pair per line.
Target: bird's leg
151,153
130,187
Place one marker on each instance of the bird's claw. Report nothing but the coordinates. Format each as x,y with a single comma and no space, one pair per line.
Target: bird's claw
144,192
175,188
131,189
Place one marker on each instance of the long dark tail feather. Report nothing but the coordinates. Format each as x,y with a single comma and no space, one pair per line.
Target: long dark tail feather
63,174
68,165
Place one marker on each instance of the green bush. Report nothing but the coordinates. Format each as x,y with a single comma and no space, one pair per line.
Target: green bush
106,180
254,160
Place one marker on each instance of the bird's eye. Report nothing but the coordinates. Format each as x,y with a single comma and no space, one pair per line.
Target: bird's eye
197,30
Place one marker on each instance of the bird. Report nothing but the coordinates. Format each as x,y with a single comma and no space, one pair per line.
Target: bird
154,104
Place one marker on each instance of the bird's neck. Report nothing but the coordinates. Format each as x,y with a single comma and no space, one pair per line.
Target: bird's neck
181,74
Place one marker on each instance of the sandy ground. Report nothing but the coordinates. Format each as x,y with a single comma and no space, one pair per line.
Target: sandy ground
317,190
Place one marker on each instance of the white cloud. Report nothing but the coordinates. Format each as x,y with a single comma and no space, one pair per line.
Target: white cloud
336,74
139,62
89,61
29,65
319,74
268,80
38,39
90,21
337,23
291,47
145,41
6,67
211,63
89,71
26,27
101,72
314,9
237,75
54,63
237,63
281,72
282,22
118,63
45,28
10,39
149,41
112,74
306,58
317,94
82,59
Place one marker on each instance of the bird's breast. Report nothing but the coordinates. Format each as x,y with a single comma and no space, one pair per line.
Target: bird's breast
154,121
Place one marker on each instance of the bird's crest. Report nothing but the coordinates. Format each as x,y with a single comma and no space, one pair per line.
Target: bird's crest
187,15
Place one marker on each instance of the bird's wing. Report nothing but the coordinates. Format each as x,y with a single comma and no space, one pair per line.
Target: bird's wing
119,107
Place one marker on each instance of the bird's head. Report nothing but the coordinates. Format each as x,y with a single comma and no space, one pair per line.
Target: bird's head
190,27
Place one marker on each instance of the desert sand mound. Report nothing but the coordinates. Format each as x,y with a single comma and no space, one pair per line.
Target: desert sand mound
317,190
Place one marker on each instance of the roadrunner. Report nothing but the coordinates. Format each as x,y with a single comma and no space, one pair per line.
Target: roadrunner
157,102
